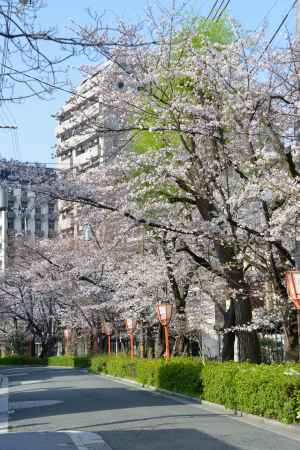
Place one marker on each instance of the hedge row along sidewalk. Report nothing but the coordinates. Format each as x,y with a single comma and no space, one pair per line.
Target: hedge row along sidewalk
271,391
63,361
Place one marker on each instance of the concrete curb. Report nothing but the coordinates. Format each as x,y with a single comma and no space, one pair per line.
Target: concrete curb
289,431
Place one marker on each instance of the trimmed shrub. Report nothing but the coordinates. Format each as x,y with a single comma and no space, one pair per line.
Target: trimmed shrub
218,383
67,361
148,371
181,375
266,390
22,360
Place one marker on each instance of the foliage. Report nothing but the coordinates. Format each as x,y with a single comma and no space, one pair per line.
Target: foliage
63,361
22,360
264,390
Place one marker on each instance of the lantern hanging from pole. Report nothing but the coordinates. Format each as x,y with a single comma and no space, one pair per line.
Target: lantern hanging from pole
164,313
292,281
107,328
131,325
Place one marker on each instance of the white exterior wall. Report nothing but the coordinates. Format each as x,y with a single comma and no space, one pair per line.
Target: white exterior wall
77,112
14,215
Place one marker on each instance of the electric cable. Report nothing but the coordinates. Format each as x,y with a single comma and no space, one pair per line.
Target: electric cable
212,10
278,29
223,10
218,10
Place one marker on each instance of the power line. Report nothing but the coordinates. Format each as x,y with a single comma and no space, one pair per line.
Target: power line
219,9
267,14
223,10
212,9
278,29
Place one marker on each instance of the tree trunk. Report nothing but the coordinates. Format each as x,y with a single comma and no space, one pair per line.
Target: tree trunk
228,338
48,347
159,343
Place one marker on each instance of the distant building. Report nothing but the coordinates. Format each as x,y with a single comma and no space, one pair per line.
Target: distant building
81,143
23,212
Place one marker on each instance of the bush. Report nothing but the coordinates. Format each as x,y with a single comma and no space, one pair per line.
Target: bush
218,383
22,360
181,375
265,390
67,361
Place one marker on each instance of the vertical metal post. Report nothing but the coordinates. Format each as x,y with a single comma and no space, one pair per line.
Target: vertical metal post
131,346
167,342
109,343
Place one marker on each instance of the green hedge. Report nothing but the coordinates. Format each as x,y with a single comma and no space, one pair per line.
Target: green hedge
264,390
67,361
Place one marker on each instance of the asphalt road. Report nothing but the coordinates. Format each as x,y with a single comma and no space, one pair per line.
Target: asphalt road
52,409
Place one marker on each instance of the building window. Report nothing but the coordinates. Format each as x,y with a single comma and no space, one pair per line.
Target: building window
38,211
38,226
10,223
51,208
51,225
23,223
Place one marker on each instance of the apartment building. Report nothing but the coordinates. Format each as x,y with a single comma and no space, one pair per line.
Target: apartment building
81,142
23,212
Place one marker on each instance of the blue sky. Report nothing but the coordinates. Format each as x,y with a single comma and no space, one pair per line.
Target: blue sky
34,140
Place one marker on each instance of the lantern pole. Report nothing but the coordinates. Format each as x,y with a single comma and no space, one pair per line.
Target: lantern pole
109,344
167,339
131,346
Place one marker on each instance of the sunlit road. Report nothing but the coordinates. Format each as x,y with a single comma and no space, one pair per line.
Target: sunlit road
69,409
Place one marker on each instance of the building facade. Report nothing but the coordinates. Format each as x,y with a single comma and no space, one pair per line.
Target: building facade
84,141
23,212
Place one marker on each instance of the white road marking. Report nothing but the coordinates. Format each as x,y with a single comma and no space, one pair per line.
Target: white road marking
22,383
16,374
33,404
85,440
3,404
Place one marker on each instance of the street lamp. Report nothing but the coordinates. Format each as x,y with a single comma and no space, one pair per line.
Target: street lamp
292,282
164,314
131,327
107,329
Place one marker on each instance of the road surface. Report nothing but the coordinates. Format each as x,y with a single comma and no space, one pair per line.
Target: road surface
56,408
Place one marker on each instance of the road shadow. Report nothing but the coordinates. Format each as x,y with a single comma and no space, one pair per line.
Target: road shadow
188,439
85,399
